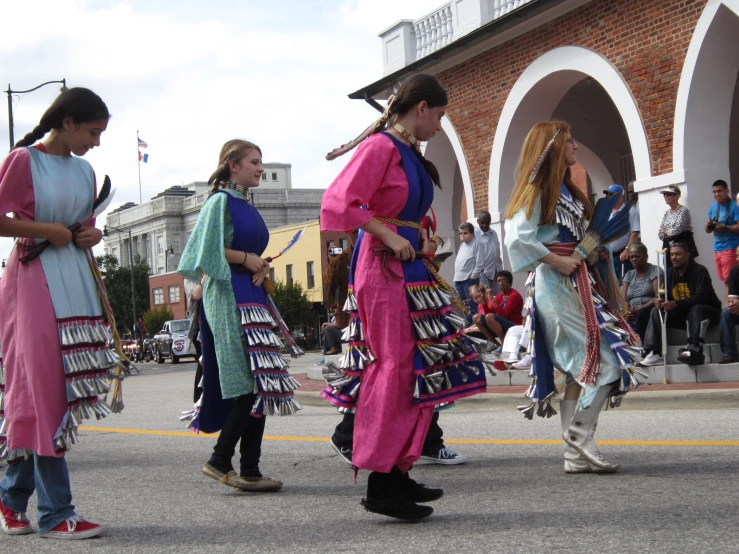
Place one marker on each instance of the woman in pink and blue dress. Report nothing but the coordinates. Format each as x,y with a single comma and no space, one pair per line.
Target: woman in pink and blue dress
406,350
53,334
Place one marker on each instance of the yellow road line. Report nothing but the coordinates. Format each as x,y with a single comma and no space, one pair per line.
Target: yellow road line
159,433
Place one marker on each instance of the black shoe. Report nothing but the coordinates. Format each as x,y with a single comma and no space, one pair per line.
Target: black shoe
385,497
400,507
345,454
727,360
417,492
693,353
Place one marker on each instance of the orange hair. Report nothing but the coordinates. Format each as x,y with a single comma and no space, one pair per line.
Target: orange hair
550,175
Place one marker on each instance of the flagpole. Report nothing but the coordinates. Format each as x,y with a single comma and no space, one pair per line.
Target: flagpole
138,158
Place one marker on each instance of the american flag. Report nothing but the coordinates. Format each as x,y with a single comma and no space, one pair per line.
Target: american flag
142,144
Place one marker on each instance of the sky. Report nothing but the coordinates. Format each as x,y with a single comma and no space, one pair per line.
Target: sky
189,75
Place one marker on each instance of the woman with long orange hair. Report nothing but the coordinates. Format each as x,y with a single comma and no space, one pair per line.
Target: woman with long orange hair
546,219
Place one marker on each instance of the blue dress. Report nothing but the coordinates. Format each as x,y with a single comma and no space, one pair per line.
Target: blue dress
246,357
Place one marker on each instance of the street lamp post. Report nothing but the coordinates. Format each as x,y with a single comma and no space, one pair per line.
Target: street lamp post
167,253
130,264
10,92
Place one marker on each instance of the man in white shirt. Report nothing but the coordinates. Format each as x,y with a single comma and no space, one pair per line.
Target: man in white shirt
466,272
488,247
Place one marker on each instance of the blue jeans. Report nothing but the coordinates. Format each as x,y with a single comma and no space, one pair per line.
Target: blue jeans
50,478
464,294
728,334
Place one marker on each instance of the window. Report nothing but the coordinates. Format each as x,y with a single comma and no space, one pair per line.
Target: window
344,243
264,176
272,274
174,294
289,273
176,245
274,176
311,276
114,252
158,296
160,245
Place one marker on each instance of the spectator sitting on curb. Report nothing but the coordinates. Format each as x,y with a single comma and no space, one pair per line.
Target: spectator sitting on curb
640,288
497,314
332,332
690,296
723,222
730,317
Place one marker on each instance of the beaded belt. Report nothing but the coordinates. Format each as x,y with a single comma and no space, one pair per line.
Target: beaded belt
429,264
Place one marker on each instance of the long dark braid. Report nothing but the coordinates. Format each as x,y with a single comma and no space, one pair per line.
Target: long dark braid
415,90
81,104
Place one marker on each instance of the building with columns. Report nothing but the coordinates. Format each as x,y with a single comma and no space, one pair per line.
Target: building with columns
159,229
649,87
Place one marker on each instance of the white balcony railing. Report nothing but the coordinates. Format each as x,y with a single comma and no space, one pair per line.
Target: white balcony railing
409,40
434,31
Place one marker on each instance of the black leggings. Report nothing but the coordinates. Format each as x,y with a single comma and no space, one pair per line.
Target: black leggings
344,435
240,425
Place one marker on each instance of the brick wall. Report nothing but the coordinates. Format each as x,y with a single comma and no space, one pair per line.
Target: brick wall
645,40
164,281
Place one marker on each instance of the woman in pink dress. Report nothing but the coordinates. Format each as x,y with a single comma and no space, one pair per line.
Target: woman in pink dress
406,350
55,356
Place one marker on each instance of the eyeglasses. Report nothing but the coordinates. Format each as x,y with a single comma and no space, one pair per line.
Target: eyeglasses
669,193
571,141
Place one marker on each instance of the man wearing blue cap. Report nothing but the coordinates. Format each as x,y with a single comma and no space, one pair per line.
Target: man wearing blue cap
620,247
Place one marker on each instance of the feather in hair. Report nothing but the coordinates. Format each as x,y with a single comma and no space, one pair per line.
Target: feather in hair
351,145
540,161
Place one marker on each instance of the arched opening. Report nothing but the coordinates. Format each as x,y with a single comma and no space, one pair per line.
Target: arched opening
706,133
582,88
454,202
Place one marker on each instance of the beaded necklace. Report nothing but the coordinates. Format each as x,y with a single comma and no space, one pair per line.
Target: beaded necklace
415,143
238,188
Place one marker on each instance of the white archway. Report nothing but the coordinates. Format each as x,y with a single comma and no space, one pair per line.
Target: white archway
597,170
703,126
445,151
534,98
705,92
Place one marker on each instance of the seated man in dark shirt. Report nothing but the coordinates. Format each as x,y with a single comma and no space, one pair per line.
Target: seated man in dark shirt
730,317
690,296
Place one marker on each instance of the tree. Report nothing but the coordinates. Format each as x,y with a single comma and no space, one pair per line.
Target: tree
117,281
154,319
293,304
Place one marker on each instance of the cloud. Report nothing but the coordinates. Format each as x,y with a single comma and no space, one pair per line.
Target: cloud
190,77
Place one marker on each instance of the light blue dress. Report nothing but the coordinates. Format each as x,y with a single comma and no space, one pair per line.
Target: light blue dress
558,308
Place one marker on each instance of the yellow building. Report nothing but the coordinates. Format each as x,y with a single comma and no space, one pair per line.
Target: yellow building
302,263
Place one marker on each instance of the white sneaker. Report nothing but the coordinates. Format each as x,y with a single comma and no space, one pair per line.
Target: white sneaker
651,360
525,363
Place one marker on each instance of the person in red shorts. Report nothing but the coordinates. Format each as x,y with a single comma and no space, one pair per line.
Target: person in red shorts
497,313
723,222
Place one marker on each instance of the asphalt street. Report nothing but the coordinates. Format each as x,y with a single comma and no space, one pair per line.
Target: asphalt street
138,473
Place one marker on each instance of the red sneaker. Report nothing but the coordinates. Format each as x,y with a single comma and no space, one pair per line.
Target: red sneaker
14,523
74,528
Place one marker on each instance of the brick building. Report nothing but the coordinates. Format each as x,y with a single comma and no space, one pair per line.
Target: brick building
169,289
649,87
